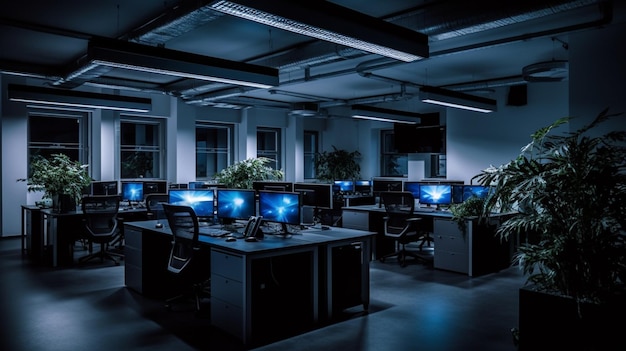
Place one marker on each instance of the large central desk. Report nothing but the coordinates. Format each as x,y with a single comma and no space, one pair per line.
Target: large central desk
276,284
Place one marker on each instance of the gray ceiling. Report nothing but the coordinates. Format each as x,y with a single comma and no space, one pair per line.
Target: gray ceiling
473,45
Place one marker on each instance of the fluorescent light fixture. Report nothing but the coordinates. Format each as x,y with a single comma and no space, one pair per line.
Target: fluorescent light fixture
72,98
444,97
330,22
138,57
385,115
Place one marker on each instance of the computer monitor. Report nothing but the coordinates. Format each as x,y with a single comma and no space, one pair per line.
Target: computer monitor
413,187
107,187
345,186
435,194
323,198
154,187
280,207
132,191
197,185
272,185
379,185
457,193
363,186
479,191
201,200
234,204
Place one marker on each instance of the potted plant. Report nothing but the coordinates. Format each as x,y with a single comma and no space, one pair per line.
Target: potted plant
60,178
338,164
568,193
242,174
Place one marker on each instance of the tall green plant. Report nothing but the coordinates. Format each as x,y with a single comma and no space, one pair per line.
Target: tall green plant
569,193
58,175
242,174
338,164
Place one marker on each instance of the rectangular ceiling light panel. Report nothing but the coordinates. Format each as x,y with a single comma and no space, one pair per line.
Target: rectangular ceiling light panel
449,98
158,60
330,22
73,98
384,115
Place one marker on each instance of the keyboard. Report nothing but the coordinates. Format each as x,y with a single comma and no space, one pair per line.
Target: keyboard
215,232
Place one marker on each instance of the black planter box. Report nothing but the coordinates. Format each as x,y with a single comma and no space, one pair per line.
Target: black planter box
551,322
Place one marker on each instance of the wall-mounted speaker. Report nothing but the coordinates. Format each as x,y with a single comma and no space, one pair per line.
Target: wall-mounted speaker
518,95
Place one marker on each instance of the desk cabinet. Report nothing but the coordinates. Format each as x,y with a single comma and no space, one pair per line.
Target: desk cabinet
355,219
451,246
227,297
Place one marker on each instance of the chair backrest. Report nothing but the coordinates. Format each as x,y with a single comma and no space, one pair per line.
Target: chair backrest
183,222
154,205
399,206
100,215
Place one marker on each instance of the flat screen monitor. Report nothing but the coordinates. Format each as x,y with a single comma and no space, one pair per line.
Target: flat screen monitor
435,194
413,188
475,190
346,186
201,200
272,185
363,186
280,207
197,185
457,193
323,194
379,185
154,187
108,187
233,204
132,191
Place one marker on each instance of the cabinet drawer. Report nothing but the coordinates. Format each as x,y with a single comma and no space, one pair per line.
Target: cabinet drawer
227,317
355,219
227,265
451,261
227,289
450,243
132,238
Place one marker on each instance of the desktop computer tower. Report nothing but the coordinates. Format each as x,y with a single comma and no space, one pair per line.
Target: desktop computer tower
346,277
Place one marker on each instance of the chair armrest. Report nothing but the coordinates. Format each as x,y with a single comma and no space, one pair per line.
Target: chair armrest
414,219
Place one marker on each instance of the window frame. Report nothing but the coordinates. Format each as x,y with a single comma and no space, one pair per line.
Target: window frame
159,149
229,150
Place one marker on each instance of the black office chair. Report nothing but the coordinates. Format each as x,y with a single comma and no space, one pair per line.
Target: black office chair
154,208
401,225
184,261
101,226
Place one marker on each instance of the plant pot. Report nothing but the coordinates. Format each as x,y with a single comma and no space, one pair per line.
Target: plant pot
551,322
63,203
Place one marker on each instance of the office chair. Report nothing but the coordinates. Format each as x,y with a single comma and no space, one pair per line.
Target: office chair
154,208
184,261
401,225
101,226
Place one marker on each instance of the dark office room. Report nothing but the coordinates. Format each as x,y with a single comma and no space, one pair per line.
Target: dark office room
434,175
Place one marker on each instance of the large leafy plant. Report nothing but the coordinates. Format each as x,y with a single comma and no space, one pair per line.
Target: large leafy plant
242,174
58,175
568,191
338,164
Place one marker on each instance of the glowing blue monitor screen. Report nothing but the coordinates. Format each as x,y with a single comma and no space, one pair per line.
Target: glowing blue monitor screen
475,190
236,203
345,185
363,186
413,188
435,194
132,191
201,200
280,207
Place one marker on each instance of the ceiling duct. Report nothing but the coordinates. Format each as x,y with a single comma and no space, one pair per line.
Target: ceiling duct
304,109
549,71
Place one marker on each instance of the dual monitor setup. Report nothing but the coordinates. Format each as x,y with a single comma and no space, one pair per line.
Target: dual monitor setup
132,191
439,194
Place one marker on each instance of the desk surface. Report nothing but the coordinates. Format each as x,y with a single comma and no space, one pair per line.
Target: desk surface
308,237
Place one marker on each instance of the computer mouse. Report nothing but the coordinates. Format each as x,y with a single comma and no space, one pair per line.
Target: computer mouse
231,238
251,239
158,225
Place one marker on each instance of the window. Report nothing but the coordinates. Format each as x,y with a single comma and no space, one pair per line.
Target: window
214,143
58,132
268,145
393,164
310,150
140,148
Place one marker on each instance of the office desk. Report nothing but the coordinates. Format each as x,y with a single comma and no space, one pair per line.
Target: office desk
472,251
50,235
274,286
